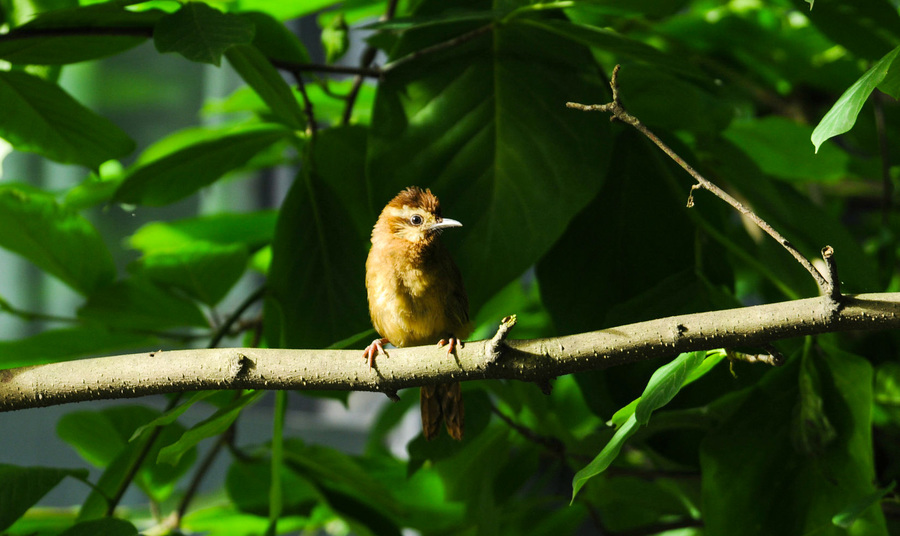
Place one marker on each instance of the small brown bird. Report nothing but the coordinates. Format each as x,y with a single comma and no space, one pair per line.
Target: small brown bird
416,295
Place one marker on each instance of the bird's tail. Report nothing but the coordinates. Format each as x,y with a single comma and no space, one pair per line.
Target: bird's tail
442,402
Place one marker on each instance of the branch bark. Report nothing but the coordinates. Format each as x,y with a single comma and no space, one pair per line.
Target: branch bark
134,375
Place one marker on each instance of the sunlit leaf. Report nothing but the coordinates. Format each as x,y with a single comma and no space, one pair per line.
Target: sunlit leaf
39,117
55,238
842,116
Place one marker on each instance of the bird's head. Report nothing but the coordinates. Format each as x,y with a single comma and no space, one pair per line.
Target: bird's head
413,215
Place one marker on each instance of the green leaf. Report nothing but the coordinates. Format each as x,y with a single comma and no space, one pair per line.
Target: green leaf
172,415
847,517
56,345
101,438
665,383
282,10
335,39
252,229
866,28
259,74
317,255
248,483
214,425
275,40
140,304
794,492
183,172
606,456
22,487
203,270
842,116
611,41
78,34
39,117
775,143
102,527
201,33
55,238
489,117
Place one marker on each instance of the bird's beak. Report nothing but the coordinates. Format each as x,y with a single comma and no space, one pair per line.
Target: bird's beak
444,224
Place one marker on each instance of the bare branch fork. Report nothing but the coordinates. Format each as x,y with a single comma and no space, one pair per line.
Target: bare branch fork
828,283
134,375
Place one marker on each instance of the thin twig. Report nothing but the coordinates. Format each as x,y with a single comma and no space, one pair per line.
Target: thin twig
552,444
618,113
368,56
443,45
292,67
138,461
235,316
312,126
201,472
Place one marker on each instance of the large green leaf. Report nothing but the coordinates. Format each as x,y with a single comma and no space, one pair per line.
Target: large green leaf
793,491
201,33
57,345
776,145
259,74
316,291
182,172
37,116
842,116
252,229
137,303
22,487
72,35
485,126
275,40
53,237
203,270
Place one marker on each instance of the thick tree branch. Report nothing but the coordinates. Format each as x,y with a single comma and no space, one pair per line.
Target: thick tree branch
128,376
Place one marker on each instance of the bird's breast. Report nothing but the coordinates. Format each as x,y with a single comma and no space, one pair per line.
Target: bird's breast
407,301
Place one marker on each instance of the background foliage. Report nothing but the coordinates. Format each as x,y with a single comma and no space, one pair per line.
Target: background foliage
571,222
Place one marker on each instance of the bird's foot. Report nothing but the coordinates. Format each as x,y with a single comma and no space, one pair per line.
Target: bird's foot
372,350
452,344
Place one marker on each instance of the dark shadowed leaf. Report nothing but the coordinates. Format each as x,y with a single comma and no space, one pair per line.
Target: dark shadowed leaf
102,527
485,126
316,282
55,238
201,33
275,40
22,487
78,34
39,117
779,477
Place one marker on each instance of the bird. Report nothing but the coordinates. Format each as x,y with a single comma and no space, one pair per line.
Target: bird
416,296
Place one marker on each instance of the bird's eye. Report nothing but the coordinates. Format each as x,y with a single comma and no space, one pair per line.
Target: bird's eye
416,219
